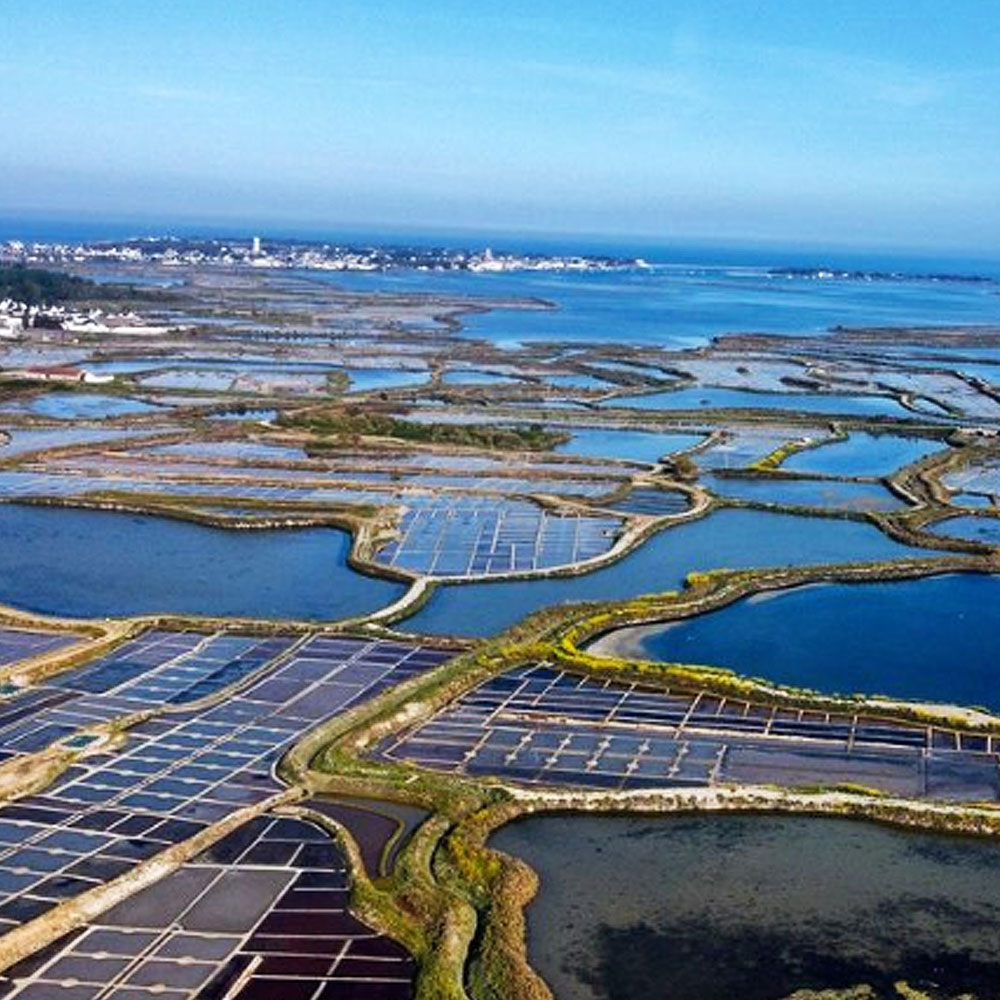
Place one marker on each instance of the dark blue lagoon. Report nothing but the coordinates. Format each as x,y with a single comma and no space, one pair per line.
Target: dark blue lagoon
820,493
85,564
733,539
936,639
756,907
970,528
862,454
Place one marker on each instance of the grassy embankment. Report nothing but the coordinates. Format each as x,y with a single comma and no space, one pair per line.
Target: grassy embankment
351,423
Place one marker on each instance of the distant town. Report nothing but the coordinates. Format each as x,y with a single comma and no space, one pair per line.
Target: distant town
277,254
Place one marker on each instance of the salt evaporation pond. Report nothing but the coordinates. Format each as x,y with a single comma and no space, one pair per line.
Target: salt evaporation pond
862,454
756,907
83,563
635,446
970,528
367,379
715,397
81,406
820,493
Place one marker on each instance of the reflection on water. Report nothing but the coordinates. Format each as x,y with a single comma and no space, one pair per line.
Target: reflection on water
862,455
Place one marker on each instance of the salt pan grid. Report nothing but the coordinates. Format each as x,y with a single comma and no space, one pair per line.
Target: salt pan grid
14,484
31,483
539,725
742,371
230,451
261,915
741,446
156,669
462,536
935,388
981,478
20,644
652,502
167,472
180,771
153,471
484,538
24,440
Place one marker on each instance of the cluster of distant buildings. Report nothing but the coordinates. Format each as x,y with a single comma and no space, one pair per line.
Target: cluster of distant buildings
183,252
17,317
835,274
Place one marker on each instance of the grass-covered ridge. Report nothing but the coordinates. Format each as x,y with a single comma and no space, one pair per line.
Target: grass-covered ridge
352,422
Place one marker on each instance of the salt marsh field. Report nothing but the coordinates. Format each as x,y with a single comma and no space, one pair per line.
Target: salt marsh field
454,481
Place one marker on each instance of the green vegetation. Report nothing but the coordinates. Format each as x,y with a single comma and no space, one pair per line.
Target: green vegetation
39,287
773,460
36,286
351,423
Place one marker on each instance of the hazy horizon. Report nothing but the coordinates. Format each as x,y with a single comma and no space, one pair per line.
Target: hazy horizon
717,121
680,249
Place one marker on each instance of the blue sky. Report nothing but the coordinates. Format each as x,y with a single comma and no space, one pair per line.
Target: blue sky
870,122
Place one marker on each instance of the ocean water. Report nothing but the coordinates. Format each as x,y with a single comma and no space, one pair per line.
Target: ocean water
682,306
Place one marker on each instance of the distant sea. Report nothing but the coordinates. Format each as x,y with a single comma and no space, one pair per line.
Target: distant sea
693,291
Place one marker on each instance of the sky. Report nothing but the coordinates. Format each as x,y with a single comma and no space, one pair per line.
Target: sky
858,122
